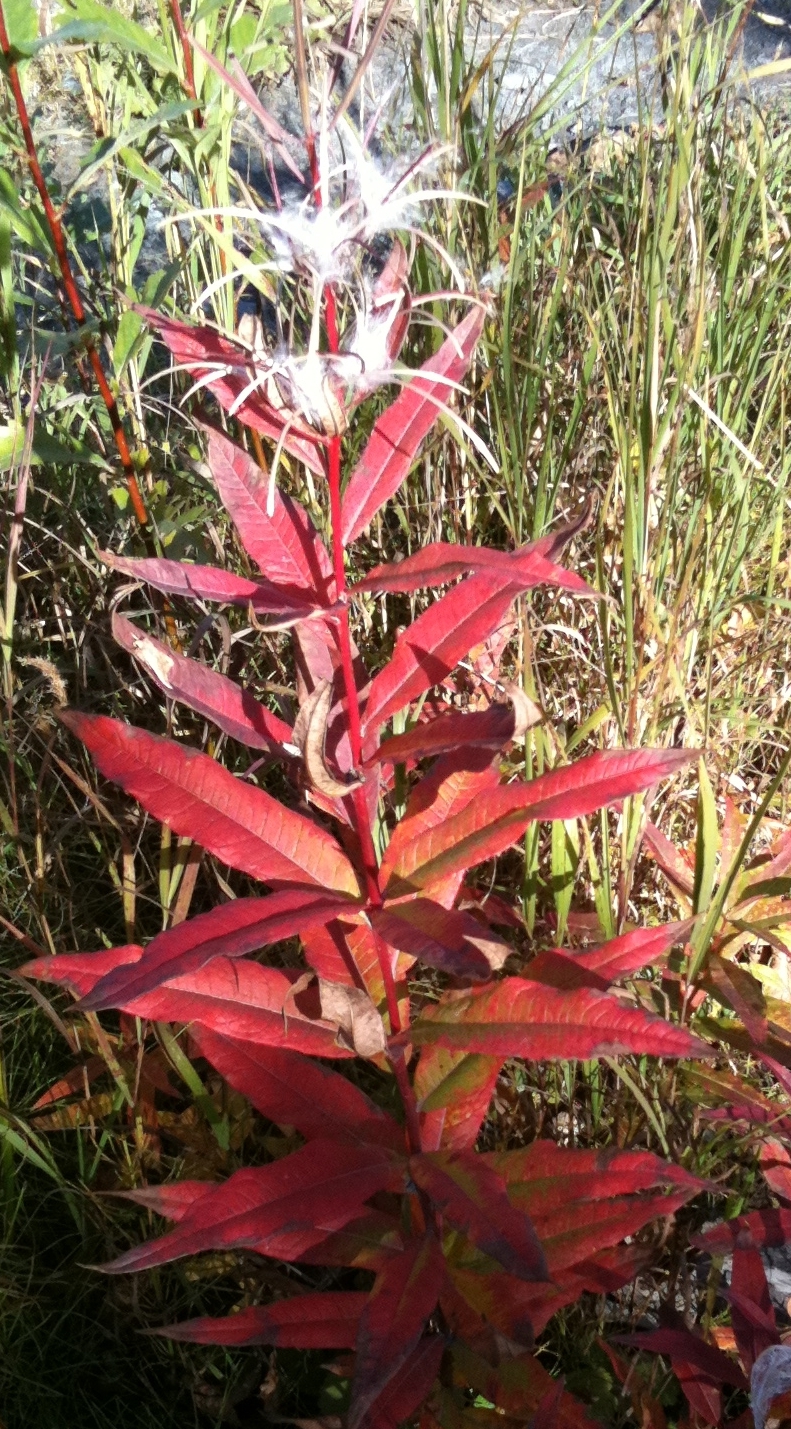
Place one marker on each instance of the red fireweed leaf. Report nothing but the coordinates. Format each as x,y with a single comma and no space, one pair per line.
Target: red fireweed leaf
443,938
230,930
277,1210
364,1244
519,1018
494,821
674,864
409,1386
207,355
472,1196
752,1312
488,729
397,435
196,582
293,1090
454,1090
757,1228
322,1320
450,786
441,562
607,963
204,690
692,1350
544,1177
433,645
776,1166
173,1201
81,971
200,800
238,998
285,546
620,957
404,1295
571,1234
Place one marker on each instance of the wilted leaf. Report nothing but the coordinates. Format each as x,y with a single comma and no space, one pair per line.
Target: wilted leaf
356,1016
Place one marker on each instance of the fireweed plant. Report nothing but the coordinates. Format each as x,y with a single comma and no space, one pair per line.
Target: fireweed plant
458,1258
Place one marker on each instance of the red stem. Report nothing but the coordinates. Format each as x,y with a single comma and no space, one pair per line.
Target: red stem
71,289
186,49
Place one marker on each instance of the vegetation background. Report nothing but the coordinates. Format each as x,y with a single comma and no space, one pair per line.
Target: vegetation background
637,365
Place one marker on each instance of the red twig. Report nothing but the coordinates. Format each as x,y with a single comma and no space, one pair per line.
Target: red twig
186,49
70,287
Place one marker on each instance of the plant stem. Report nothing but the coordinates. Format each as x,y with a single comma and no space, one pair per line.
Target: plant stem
72,292
186,49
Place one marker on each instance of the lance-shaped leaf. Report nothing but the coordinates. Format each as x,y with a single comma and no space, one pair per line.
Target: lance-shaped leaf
519,1018
277,1210
517,1386
684,1345
404,1295
81,971
241,999
440,562
397,435
204,690
409,1386
752,1312
450,786
475,1199
227,371
292,1090
492,823
230,930
364,1244
487,729
322,1320
196,582
433,645
285,545
758,1228
603,965
443,938
537,1175
173,1201
200,800
454,1090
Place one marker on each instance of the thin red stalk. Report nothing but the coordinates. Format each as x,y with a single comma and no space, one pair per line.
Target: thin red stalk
71,289
186,49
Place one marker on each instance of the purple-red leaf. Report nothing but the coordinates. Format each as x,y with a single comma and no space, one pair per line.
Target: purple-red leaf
752,1312
454,1091
322,1320
519,1018
200,800
226,369
204,690
404,1295
758,1228
432,646
397,435
292,1090
492,823
487,729
230,930
277,1210
239,999
441,562
408,1388
196,582
285,545
443,938
692,1350
474,1198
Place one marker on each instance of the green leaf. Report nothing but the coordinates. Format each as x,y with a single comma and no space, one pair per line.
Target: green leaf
707,843
46,450
100,24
